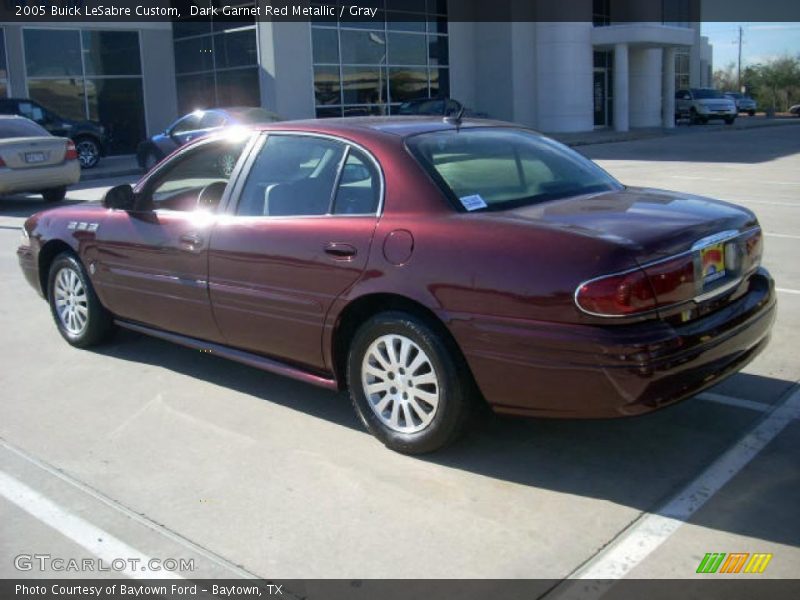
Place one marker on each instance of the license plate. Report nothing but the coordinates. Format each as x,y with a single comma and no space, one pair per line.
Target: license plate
34,157
713,260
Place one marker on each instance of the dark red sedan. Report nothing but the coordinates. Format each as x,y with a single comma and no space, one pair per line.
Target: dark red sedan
425,264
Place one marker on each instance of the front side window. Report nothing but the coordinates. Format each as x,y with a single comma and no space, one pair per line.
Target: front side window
498,168
197,179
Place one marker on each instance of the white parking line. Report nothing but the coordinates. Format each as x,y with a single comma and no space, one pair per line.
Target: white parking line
787,291
650,530
97,541
728,180
235,570
783,235
731,401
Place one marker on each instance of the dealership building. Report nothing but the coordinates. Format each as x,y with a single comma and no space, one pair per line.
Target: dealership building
606,66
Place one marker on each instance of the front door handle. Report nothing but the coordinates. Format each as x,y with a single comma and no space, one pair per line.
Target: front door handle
192,240
340,251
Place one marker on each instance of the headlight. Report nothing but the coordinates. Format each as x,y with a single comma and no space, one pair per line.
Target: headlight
25,238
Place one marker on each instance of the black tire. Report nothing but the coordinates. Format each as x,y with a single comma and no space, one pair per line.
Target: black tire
729,120
55,194
454,385
88,151
99,323
751,113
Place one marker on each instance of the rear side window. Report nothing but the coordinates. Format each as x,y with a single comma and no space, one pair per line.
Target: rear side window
498,168
292,176
11,128
359,186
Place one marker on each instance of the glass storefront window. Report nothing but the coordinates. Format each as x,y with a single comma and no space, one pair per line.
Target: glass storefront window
3,67
89,75
364,85
218,54
117,104
66,97
369,66
52,52
238,87
327,85
193,55
111,52
325,46
235,49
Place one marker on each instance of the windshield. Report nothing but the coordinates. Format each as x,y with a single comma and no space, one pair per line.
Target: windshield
705,94
497,168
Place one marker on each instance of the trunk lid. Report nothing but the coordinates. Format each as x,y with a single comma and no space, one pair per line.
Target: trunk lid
653,224
32,152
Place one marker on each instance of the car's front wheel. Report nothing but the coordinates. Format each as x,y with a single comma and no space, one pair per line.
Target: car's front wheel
730,120
409,386
88,152
80,317
54,194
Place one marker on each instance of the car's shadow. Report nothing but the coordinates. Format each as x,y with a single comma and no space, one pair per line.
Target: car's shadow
637,462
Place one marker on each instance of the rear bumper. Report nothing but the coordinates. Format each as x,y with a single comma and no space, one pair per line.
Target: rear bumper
37,179
583,371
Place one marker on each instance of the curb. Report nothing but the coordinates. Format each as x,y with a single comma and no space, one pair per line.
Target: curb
93,175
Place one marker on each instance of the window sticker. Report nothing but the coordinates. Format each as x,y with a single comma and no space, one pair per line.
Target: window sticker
473,202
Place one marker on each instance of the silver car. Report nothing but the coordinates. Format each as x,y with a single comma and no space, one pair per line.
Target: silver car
32,160
700,105
744,104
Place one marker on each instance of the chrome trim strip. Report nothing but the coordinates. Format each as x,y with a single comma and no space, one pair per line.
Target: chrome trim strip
248,358
701,243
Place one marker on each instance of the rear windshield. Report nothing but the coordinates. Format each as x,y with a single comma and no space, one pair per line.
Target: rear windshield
491,168
705,94
11,128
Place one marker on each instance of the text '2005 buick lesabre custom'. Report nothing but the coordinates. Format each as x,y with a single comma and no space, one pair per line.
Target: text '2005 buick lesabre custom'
426,265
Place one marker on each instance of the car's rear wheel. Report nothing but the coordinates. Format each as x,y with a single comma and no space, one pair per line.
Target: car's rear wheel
88,152
751,113
408,385
55,194
80,317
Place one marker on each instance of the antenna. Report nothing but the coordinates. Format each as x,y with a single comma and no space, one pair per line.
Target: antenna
455,120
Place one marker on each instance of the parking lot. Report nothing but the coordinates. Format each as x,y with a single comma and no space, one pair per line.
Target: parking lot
143,448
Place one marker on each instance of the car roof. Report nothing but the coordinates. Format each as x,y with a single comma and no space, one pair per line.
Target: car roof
401,126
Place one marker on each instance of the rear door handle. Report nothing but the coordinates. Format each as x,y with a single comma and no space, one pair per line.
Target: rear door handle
340,251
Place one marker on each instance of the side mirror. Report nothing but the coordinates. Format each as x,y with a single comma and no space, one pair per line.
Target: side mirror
120,197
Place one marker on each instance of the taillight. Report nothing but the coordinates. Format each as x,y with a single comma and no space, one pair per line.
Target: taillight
672,281
617,295
71,153
753,249
641,290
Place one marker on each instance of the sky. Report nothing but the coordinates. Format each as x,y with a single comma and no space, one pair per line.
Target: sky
760,41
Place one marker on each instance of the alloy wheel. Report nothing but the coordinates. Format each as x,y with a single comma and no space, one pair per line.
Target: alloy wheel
72,303
400,383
